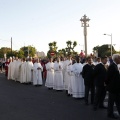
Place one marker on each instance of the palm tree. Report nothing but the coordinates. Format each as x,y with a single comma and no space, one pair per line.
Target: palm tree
74,44
50,45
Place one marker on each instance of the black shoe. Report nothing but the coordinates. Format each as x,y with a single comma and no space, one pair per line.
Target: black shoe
94,108
86,103
50,88
113,116
102,107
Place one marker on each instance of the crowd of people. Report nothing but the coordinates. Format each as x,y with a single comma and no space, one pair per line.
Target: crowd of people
77,78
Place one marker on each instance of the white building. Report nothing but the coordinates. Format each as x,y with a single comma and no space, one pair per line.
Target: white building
40,54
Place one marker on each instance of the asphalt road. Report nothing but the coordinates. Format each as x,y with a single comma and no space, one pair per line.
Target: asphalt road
27,102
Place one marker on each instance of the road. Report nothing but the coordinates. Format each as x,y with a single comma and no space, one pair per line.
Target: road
27,102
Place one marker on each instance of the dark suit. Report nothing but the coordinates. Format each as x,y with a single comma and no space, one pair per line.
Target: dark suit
113,86
88,75
100,73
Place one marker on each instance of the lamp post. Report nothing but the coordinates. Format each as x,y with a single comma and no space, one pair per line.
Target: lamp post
111,41
84,23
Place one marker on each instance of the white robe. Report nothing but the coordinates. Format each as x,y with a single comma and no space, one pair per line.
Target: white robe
37,74
78,88
72,78
50,75
13,69
17,70
23,73
58,77
10,71
63,70
29,67
66,76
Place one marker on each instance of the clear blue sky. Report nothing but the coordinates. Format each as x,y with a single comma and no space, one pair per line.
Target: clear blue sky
38,22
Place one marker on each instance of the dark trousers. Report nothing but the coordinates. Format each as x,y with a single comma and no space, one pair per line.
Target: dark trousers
99,96
87,89
113,98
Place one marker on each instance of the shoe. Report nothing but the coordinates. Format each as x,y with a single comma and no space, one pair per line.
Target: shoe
102,107
113,116
94,108
86,103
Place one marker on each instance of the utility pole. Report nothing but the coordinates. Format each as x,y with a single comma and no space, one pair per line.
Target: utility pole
84,23
11,45
28,51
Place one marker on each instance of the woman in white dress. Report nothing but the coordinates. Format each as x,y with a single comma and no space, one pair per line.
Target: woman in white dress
58,75
37,73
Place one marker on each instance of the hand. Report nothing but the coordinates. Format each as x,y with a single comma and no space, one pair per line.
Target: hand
38,68
104,84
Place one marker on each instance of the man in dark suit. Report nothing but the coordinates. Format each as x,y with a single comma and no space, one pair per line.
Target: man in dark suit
88,75
100,74
113,86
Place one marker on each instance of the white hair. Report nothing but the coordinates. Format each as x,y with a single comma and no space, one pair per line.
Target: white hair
115,56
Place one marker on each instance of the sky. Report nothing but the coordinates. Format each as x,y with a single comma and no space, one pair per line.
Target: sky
39,22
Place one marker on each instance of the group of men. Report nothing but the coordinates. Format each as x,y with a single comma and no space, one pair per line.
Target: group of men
76,78
101,77
24,71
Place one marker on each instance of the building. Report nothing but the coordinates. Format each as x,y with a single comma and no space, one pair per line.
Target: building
40,54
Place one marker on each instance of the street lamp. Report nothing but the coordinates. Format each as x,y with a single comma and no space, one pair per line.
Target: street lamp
111,41
84,23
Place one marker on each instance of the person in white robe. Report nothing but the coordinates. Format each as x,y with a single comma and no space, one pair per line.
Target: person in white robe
58,76
29,67
23,71
50,74
78,88
17,69
10,70
37,73
63,60
66,76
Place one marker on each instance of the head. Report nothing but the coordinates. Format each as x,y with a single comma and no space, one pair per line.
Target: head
58,59
104,59
98,59
89,60
69,57
116,58
30,59
24,59
7,60
50,59
73,61
16,58
77,59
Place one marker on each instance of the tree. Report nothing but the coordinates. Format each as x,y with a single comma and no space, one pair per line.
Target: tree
28,51
104,50
4,50
52,49
70,46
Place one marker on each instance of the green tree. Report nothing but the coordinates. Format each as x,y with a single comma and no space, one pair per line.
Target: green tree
104,50
52,48
70,46
27,50
4,50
